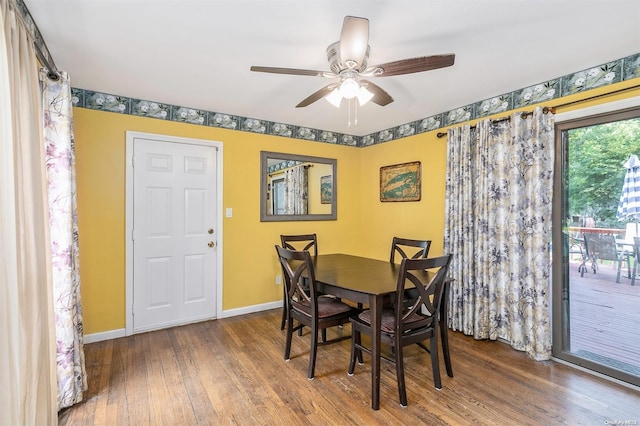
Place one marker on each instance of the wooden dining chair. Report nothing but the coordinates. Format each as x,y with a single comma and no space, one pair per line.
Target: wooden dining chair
296,242
403,325
401,244
423,252
306,306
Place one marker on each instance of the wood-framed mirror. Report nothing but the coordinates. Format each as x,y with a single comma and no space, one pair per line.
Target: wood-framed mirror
297,187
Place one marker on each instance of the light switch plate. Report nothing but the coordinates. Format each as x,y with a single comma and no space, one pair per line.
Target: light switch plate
229,212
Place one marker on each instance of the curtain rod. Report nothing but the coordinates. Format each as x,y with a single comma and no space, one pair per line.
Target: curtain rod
281,171
523,114
602,95
52,71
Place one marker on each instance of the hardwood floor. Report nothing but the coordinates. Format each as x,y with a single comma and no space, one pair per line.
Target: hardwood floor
231,372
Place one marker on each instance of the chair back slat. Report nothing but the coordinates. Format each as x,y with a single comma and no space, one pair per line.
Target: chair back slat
300,242
299,278
401,244
422,283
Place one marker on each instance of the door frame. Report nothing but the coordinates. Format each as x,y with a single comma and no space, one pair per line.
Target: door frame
558,292
130,136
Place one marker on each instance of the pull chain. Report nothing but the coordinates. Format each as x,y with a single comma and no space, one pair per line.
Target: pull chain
355,108
355,103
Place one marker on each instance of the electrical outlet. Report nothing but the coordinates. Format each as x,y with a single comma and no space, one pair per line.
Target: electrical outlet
278,279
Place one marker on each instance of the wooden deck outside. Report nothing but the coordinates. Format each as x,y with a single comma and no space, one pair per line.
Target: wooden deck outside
605,317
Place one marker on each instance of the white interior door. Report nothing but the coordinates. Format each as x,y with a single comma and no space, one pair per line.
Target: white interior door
174,233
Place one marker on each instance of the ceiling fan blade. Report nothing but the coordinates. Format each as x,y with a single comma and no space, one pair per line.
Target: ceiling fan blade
354,40
293,71
409,66
380,96
317,95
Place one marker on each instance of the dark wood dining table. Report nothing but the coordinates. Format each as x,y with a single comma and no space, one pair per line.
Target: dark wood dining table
367,281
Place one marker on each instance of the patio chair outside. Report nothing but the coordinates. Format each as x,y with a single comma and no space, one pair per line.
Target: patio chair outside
602,247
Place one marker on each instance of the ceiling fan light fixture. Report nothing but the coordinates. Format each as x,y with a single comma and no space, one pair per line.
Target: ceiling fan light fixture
348,60
334,98
349,88
364,95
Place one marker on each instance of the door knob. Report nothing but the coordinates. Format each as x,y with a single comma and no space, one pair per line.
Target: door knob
211,244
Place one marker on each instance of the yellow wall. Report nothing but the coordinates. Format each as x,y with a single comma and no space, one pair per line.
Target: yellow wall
365,226
100,147
422,219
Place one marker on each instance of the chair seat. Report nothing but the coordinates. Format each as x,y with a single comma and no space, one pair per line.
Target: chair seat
327,307
388,320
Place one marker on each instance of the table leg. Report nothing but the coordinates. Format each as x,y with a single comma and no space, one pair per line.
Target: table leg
375,306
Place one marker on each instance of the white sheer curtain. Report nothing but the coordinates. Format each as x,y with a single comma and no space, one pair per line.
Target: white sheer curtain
27,341
61,188
296,190
498,228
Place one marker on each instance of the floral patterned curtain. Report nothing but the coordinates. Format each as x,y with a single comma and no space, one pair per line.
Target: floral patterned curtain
296,190
63,222
498,228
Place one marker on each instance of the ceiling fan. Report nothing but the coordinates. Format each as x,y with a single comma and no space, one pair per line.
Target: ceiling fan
348,62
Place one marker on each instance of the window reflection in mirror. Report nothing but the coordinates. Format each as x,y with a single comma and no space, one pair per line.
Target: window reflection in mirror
277,204
297,187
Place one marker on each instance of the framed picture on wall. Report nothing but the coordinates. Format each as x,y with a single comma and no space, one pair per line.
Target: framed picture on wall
326,190
400,182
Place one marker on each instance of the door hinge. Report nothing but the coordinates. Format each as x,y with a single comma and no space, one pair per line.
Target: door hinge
133,310
133,161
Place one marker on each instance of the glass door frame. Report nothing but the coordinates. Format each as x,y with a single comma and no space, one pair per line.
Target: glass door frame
614,111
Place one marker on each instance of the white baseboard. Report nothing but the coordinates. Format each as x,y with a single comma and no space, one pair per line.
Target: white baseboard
114,334
251,309
105,335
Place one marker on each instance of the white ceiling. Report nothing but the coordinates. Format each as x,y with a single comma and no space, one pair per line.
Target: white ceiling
198,53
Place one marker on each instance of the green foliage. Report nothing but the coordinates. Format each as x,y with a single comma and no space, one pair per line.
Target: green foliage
596,172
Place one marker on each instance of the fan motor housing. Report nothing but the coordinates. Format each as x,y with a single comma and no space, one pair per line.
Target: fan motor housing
335,62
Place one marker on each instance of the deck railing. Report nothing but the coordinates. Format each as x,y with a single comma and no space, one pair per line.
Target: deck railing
582,230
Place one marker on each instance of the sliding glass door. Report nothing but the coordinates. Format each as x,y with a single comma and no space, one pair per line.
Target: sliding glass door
596,299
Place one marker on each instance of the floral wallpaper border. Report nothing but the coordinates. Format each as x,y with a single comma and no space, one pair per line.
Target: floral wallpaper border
597,76
34,31
282,165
